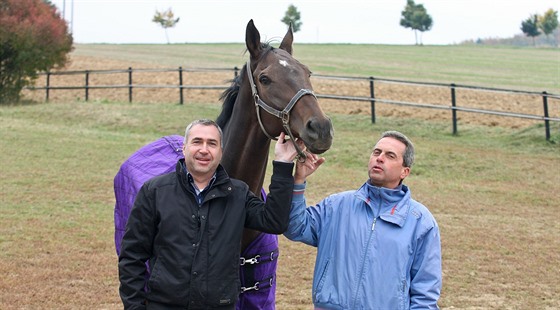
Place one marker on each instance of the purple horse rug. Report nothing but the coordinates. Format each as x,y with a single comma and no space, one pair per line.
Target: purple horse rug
258,262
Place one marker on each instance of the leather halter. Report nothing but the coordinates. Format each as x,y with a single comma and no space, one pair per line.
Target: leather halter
284,115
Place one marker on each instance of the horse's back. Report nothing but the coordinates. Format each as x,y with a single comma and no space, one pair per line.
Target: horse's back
156,158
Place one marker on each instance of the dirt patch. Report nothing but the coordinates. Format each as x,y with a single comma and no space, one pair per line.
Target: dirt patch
393,99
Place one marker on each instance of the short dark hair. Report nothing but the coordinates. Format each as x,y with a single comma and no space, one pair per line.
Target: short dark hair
408,156
204,122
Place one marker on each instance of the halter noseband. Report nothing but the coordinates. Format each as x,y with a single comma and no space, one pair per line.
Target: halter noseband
284,115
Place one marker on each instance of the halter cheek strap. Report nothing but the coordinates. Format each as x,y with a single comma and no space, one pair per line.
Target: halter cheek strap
284,115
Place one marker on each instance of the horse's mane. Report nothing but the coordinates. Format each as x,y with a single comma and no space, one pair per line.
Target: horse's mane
229,96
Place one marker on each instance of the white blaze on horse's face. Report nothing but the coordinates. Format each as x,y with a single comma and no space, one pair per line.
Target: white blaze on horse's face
283,63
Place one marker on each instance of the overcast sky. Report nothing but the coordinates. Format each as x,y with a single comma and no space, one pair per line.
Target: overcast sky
324,21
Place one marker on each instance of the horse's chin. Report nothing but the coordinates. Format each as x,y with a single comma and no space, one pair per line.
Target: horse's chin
317,149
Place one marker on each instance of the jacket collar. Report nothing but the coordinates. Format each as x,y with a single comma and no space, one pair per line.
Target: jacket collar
394,203
222,180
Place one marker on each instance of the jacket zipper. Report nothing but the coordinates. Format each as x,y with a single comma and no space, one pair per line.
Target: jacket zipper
355,298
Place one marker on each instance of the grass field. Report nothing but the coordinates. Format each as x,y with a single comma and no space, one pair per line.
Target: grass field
494,191
505,67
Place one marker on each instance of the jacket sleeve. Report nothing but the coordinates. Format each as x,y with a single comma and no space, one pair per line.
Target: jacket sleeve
426,274
136,249
305,222
272,217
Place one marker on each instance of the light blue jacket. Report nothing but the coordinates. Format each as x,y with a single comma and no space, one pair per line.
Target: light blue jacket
376,249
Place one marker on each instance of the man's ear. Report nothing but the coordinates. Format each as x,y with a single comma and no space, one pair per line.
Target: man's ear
405,172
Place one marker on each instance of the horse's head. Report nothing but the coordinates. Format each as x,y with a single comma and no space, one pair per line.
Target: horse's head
281,86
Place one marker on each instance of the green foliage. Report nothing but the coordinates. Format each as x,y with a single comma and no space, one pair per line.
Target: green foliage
166,19
548,22
530,27
536,24
33,38
292,17
416,17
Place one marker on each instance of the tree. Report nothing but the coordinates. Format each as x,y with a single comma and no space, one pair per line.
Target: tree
530,27
166,19
292,17
33,38
416,17
548,22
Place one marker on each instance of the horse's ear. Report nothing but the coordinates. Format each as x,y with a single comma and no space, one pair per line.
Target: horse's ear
253,40
288,40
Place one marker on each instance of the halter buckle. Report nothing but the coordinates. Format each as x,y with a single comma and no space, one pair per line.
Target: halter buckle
285,118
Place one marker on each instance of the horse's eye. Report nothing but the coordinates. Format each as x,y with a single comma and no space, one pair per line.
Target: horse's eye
264,80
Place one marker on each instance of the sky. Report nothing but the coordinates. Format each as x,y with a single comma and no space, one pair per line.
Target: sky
325,21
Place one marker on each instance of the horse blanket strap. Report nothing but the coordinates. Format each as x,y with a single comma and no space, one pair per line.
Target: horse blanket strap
260,258
259,290
265,283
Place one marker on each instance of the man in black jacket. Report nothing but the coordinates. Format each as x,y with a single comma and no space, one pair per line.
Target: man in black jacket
188,225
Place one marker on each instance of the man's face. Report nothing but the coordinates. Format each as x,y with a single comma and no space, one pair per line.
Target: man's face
385,165
202,151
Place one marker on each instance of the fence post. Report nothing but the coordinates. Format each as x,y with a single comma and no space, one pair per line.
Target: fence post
87,85
180,85
235,72
129,84
546,122
48,86
372,101
453,111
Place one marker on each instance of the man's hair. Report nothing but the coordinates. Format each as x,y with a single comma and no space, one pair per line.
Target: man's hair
203,122
408,156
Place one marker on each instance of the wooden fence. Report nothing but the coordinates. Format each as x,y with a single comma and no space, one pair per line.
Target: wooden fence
452,105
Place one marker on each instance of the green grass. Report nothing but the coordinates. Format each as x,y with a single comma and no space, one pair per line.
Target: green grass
494,193
521,68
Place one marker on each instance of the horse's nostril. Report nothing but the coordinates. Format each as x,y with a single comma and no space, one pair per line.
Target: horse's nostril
311,129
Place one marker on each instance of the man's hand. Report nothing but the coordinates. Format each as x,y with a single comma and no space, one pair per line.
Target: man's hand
306,168
285,151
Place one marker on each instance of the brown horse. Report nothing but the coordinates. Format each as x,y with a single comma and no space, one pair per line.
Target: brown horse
272,93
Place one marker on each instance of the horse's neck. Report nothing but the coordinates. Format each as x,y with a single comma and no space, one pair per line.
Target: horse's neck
246,147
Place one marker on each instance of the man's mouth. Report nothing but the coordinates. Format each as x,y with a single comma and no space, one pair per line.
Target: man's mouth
203,160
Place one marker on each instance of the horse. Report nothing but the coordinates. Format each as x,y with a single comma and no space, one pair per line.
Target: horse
271,94
278,89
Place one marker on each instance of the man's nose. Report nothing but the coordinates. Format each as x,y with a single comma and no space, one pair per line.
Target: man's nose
204,147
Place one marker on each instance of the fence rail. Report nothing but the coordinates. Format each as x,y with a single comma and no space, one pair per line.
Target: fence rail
372,98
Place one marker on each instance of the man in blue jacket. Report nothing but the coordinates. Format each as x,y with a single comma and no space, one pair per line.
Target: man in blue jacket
377,248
